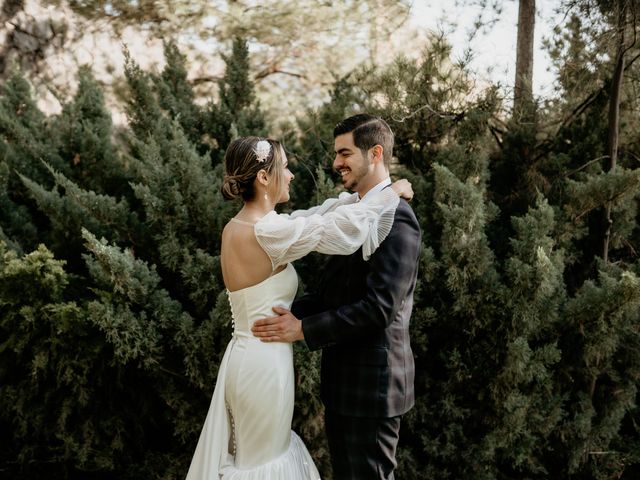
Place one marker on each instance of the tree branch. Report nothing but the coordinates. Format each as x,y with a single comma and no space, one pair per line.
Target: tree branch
205,79
274,70
585,165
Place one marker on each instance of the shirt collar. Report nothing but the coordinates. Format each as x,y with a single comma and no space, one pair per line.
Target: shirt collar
378,188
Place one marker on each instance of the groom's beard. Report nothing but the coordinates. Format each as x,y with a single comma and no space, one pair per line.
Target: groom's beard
355,175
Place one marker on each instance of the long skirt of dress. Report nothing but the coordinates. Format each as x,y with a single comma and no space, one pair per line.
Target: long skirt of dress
247,433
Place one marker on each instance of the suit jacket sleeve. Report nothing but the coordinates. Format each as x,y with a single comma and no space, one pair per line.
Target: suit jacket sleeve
308,304
390,278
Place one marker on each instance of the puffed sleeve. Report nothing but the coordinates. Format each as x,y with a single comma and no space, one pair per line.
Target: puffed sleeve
327,206
333,229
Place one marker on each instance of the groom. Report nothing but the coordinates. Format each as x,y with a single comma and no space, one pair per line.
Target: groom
359,317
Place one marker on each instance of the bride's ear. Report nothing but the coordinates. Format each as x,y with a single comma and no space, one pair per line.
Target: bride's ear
262,177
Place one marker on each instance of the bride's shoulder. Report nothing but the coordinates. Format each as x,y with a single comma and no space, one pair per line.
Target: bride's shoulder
280,227
237,232
272,218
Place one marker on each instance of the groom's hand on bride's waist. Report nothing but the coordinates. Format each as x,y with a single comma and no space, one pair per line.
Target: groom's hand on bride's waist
284,327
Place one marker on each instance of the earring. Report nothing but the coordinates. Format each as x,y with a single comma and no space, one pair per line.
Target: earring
266,197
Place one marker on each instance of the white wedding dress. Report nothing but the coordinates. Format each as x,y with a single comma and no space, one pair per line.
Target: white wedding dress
247,433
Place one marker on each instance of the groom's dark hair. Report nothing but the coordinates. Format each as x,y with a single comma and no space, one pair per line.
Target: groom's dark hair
368,131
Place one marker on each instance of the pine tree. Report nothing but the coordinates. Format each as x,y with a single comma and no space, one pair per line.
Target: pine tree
53,372
237,112
84,139
528,402
94,192
67,213
176,96
24,128
16,227
602,360
22,150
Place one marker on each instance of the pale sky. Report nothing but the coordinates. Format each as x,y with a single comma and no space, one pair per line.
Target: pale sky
494,51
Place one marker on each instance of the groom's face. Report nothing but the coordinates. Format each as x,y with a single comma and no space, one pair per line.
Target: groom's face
350,162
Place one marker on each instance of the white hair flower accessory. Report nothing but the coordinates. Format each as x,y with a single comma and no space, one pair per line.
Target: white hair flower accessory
262,150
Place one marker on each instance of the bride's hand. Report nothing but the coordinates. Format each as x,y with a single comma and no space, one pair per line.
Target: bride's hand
403,188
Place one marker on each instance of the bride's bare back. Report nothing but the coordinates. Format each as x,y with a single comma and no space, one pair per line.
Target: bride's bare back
244,263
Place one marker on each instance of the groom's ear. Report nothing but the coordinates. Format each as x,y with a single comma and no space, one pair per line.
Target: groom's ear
376,153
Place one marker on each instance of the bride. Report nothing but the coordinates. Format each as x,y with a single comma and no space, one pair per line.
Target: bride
247,433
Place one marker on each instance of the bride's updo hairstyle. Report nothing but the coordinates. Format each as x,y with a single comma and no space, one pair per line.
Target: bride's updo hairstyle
243,160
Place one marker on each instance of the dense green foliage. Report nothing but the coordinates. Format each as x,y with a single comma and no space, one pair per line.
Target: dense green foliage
113,315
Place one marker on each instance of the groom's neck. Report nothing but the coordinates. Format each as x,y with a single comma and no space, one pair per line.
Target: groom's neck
371,181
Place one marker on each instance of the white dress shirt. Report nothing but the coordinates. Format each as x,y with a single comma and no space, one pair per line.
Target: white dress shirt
378,188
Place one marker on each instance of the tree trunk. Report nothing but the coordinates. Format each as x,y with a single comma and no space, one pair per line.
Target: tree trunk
614,117
523,89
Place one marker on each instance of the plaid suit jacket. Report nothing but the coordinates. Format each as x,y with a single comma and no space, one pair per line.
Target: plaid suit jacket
359,317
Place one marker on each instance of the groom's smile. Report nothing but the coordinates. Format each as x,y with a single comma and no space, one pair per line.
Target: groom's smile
349,162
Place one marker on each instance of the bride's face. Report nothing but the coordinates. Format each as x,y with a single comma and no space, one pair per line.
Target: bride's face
287,176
